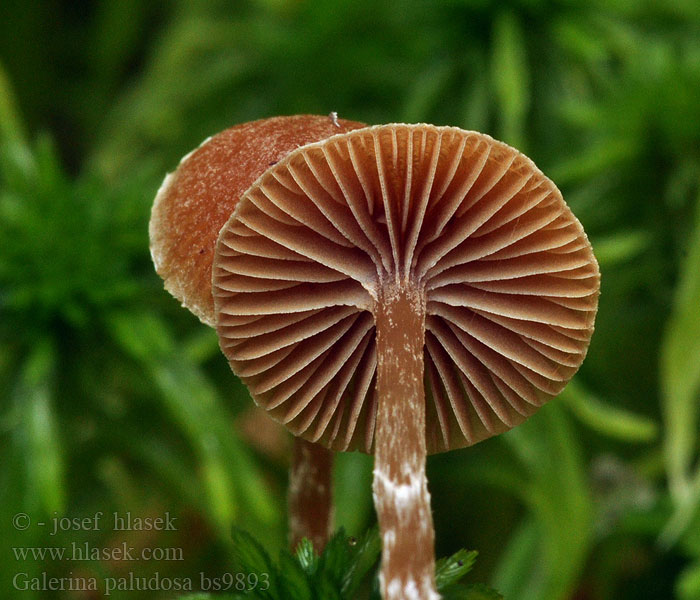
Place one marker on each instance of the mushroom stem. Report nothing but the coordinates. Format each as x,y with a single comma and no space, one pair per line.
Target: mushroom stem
400,487
310,494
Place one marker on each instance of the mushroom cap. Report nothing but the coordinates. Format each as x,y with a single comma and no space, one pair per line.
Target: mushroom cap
195,201
508,275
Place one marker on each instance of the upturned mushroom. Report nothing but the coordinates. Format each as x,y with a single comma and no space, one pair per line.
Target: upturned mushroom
404,290
190,208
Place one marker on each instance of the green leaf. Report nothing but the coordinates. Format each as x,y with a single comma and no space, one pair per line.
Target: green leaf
449,571
680,371
558,498
195,405
142,335
202,345
607,419
364,557
688,584
591,162
475,105
510,77
219,488
294,582
11,126
518,564
44,450
306,555
251,558
577,37
327,589
474,591
426,90
620,247
335,558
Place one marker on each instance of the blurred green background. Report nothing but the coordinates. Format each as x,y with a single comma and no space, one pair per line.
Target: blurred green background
113,398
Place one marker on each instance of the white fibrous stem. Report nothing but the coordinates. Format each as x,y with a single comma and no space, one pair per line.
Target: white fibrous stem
400,486
310,494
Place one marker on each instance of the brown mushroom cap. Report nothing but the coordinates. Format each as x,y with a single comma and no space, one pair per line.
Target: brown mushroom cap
510,282
198,198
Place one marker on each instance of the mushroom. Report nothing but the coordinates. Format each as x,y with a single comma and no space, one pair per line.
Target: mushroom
404,290
190,208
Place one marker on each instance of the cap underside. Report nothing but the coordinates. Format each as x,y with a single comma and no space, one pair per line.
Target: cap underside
510,282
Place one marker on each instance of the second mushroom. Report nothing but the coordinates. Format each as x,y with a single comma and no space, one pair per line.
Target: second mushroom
190,209
404,290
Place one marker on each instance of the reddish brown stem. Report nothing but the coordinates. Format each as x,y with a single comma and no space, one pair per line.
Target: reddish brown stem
400,486
310,494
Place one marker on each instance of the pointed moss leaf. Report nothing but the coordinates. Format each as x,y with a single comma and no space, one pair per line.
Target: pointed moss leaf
250,557
364,557
449,571
474,591
334,560
306,556
293,580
